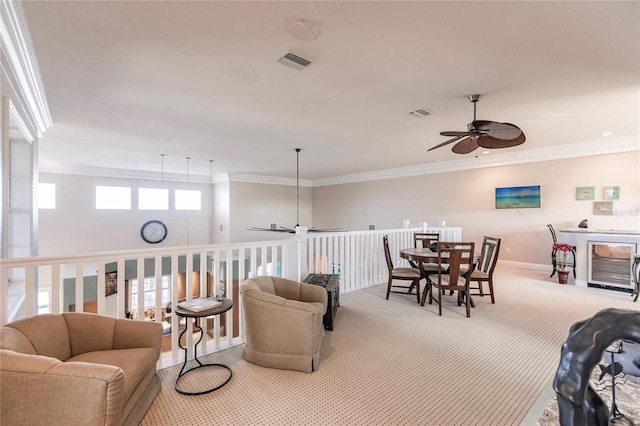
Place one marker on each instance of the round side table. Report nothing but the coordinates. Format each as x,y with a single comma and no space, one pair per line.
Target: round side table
185,313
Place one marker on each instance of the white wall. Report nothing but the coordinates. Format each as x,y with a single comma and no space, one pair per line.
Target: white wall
260,205
220,229
75,226
467,199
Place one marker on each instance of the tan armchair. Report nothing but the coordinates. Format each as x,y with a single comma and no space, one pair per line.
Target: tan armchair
283,323
78,368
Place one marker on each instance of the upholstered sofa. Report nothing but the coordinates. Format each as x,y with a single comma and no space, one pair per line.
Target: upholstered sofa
283,323
78,369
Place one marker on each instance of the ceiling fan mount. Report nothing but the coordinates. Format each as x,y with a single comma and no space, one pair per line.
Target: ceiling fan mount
483,133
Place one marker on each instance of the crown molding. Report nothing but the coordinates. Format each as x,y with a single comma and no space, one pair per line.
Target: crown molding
19,123
272,180
20,64
559,152
128,174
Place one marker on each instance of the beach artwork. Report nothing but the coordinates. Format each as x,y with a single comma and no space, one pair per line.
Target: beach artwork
518,197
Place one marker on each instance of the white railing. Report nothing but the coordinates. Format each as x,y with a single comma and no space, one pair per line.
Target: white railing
357,257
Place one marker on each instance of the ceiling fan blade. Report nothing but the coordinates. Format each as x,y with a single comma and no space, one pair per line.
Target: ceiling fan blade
281,229
327,230
466,146
455,133
497,130
495,143
457,138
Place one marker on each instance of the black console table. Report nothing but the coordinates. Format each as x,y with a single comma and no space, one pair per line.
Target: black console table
331,283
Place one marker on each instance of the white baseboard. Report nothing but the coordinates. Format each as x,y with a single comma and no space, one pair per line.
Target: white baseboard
525,265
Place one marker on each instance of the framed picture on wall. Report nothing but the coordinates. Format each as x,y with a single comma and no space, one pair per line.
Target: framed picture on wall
111,283
603,208
611,192
585,192
518,197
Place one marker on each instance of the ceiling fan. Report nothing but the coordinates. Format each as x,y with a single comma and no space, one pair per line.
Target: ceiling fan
483,133
274,228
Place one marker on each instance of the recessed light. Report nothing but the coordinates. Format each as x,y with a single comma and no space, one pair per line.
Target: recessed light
485,152
607,134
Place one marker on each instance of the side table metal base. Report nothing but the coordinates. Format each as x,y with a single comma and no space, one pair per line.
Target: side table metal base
182,374
200,364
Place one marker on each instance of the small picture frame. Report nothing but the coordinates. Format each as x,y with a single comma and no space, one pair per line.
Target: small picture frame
611,192
585,193
603,208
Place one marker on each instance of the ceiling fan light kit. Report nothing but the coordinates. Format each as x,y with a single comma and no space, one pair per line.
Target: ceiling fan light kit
483,133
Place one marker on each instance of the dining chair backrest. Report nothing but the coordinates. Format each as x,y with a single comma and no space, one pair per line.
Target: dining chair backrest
457,255
387,253
489,254
421,239
553,233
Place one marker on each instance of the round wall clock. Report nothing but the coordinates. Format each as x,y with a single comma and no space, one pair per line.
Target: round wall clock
153,231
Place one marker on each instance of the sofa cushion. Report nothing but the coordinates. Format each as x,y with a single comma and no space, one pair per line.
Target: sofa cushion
14,340
260,283
287,288
47,333
89,332
135,363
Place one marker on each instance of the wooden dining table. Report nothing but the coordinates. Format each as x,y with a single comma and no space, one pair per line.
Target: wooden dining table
421,255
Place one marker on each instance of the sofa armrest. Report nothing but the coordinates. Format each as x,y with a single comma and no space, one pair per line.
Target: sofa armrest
41,390
313,293
138,334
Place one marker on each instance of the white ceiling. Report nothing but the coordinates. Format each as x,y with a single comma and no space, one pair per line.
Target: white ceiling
128,81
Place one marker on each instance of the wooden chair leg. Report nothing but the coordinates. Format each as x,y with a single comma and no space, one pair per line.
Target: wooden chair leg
427,290
440,303
480,288
493,300
416,284
389,288
553,262
468,302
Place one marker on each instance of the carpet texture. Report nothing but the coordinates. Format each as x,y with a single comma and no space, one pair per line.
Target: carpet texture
392,362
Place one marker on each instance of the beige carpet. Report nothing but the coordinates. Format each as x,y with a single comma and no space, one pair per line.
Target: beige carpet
392,362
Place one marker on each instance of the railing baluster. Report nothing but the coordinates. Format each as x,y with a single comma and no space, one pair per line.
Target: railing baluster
101,289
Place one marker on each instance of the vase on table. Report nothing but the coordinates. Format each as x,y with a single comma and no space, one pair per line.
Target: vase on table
563,276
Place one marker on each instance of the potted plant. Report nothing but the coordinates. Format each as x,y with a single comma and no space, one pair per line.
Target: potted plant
562,251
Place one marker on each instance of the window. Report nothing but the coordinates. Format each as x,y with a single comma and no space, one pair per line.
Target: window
113,198
153,199
150,292
188,200
43,302
46,195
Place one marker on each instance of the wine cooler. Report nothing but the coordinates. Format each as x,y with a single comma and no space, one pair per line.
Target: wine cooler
609,265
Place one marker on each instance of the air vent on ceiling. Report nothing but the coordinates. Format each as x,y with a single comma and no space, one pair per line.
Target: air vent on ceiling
294,61
419,113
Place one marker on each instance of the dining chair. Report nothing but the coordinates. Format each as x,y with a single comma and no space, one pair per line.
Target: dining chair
554,252
459,257
425,240
430,241
484,269
402,274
